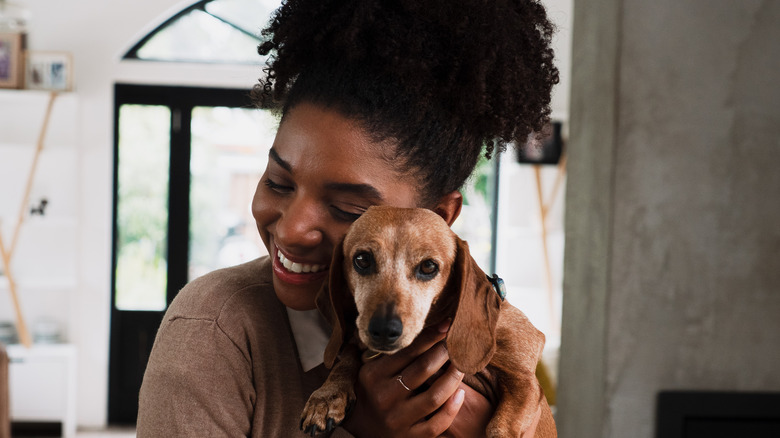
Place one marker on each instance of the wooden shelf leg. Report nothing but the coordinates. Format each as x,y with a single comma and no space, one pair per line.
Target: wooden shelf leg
555,326
21,327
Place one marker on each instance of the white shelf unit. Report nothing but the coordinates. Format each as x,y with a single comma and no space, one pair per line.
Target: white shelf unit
44,261
42,383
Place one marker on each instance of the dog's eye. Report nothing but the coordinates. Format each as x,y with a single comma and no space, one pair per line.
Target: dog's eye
364,262
427,270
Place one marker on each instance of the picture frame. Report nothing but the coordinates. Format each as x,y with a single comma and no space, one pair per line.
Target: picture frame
12,45
51,71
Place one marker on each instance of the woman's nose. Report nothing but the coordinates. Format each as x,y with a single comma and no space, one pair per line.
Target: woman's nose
300,224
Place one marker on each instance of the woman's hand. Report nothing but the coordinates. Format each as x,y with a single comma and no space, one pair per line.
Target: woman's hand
473,417
386,408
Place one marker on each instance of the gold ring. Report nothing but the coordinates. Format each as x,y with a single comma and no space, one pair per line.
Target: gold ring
369,355
400,379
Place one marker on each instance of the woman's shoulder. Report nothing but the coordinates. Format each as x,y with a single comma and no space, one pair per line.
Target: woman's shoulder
207,296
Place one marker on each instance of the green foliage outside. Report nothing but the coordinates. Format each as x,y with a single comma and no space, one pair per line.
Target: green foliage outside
142,209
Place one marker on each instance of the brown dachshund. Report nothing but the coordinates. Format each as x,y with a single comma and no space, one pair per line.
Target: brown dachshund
400,270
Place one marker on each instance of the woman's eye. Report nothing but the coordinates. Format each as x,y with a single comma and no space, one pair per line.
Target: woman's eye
277,187
427,270
344,215
363,262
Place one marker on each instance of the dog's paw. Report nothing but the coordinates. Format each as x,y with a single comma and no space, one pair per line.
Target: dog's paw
325,410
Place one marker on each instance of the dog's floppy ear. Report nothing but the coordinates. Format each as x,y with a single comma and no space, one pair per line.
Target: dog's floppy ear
337,304
471,341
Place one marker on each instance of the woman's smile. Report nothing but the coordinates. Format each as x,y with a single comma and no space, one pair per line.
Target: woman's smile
298,272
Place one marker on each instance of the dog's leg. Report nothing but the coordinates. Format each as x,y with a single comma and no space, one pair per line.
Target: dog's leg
519,401
519,347
327,406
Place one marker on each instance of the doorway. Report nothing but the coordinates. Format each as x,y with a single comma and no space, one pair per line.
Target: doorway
186,164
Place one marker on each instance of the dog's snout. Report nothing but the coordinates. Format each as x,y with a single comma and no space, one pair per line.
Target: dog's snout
385,327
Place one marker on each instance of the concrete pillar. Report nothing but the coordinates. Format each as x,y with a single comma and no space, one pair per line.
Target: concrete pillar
672,265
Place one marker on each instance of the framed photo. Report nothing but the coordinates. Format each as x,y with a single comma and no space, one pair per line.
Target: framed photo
11,60
49,71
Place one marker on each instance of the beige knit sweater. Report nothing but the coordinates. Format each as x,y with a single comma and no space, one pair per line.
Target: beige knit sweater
225,364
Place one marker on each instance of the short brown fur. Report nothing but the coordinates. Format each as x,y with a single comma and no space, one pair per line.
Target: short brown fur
490,341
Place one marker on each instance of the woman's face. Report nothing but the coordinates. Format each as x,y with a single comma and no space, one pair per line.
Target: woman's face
323,172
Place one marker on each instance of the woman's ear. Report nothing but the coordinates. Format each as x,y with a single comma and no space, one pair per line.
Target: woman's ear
449,206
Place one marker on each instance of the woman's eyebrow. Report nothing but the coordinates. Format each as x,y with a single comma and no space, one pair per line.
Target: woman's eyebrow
275,156
364,190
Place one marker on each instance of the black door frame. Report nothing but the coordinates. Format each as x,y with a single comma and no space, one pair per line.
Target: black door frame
133,332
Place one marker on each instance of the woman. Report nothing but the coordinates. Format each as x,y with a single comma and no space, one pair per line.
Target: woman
382,103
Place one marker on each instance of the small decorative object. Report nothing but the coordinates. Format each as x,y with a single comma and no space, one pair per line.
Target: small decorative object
8,333
545,150
39,209
49,71
11,59
47,331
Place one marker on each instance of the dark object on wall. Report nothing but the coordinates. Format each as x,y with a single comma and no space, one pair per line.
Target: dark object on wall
547,150
695,414
5,412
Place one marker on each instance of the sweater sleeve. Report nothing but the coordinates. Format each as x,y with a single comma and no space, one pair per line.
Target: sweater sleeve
198,382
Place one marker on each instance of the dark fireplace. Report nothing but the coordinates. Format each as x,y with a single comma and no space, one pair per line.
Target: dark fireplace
705,414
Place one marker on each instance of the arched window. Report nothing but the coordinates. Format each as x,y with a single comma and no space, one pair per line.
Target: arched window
209,31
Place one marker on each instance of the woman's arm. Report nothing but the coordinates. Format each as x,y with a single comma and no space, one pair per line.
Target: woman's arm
197,383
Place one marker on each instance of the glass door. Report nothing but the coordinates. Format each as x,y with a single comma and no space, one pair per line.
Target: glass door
229,150
187,162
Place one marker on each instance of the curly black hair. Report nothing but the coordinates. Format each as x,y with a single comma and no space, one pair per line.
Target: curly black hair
445,79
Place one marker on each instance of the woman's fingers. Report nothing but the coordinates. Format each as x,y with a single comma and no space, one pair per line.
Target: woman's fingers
425,366
440,393
439,422
473,417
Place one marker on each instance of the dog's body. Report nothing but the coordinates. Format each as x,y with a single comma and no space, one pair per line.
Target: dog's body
400,270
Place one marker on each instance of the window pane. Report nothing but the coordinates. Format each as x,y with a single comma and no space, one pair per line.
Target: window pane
522,259
250,15
199,37
142,207
229,154
474,223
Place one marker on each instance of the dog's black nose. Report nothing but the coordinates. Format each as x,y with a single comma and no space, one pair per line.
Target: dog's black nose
385,327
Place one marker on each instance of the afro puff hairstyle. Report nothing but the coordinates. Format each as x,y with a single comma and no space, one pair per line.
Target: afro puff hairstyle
444,79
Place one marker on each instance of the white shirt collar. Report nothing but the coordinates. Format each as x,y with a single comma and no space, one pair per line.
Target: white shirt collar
311,333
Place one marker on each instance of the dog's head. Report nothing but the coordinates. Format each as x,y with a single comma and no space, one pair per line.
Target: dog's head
398,270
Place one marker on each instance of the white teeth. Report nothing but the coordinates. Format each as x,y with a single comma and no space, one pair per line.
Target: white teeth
298,267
